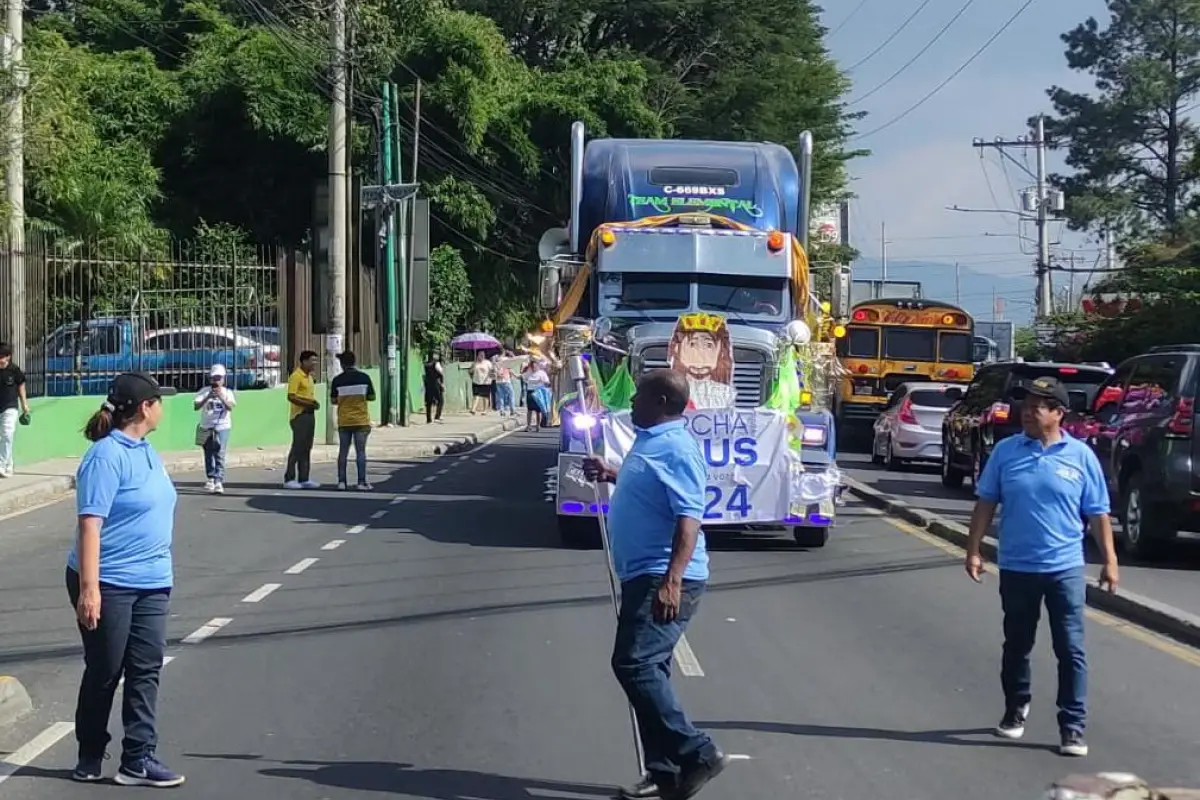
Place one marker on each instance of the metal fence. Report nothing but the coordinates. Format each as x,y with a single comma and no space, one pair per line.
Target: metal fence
91,312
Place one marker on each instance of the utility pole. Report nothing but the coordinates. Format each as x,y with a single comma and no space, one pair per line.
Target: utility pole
1039,205
401,278
1071,286
335,340
389,270
1110,250
14,176
957,285
883,243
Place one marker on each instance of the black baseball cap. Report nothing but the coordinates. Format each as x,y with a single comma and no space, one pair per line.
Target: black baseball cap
1049,388
131,389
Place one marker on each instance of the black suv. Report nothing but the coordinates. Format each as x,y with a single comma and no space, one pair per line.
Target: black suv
990,410
1142,425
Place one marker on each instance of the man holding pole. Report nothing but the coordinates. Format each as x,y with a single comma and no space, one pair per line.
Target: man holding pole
659,556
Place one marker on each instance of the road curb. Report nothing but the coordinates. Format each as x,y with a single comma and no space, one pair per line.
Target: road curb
58,486
14,700
1143,611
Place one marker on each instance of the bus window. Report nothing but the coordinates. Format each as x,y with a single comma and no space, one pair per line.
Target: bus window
955,348
910,344
860,343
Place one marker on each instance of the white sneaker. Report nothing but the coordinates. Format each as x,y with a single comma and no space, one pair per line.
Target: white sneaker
310,485
341,486
218,488
292,485
210,486
364,487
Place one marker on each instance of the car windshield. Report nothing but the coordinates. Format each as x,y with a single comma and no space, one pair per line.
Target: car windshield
910,344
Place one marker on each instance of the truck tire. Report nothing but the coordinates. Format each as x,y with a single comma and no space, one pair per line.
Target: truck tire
579,533
810,538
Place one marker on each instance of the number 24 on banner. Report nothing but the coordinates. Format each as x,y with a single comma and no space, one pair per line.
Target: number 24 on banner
737,504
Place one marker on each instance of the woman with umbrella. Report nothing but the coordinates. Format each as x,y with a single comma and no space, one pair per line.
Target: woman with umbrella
482,370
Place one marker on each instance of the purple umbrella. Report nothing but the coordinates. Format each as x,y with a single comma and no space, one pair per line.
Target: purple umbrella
475,340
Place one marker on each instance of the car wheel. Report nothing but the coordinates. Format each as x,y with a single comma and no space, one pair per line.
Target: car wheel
1138,518
893,464
952,476
876,456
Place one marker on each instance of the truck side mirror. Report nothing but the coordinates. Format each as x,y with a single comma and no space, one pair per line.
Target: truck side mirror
549,286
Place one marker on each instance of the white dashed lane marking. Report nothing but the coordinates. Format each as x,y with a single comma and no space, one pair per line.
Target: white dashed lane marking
259,594
300,566
333,545
206,630
357,529
416,487
379,514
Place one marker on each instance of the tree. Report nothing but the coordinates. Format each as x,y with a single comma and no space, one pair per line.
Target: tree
1131,142
449,299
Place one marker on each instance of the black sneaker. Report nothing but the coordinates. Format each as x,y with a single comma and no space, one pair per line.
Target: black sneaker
1013,724
691,782
89,769
1073,744
148,771
644,788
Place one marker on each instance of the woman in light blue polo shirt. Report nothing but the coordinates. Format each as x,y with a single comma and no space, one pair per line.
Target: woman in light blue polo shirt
119,578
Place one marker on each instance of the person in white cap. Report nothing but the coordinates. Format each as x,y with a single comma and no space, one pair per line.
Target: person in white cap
215,402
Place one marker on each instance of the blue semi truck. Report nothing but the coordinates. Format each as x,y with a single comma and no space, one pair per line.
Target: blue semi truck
667,233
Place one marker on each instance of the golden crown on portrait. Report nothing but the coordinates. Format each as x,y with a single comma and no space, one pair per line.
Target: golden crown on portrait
699,321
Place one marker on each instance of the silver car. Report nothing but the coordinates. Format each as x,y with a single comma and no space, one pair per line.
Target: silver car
910,427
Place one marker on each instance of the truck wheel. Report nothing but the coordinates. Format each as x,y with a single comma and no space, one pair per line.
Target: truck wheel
810,537
579,533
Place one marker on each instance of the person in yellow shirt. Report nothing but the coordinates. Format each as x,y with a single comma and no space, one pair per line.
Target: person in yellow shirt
303,405
351,392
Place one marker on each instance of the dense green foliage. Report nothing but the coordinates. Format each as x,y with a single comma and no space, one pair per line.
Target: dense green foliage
1132,144
155,118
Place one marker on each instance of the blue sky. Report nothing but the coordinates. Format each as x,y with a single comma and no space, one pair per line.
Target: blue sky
925,162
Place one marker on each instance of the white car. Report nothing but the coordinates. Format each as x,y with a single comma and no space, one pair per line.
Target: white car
910,427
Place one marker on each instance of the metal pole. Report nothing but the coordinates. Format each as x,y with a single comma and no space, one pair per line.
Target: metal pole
579,377
957,285
14,179
335,340
883,252
389,272
401,281
410,209
1045,303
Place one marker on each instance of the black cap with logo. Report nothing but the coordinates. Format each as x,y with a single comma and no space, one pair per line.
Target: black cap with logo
130,390
1050,389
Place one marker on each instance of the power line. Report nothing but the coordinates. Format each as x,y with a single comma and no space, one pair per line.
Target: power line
848,17
921,52
889,39
952,76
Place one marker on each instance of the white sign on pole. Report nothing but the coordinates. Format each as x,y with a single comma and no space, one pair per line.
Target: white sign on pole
747,457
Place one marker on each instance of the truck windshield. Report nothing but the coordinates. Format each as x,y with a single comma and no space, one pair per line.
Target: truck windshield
644,292
742,295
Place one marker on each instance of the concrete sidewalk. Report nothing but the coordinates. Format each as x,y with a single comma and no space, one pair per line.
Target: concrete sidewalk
48,481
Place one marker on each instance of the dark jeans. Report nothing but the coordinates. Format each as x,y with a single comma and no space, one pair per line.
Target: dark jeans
641,661
1064,593
304,428
434,401
129,641
359,437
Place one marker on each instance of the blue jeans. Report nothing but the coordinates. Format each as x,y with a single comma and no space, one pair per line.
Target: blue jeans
641,660
129,641
1021,596
359,437
214,455
504,397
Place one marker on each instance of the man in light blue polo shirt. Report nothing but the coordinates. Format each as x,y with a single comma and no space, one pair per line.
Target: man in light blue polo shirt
1047,483
660,558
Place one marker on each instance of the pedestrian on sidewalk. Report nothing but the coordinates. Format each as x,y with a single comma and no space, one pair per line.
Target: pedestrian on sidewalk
119,577
351,391
1048,482
482,378
659,554
504,388
536,380
215,403
435,388
14,407
303,407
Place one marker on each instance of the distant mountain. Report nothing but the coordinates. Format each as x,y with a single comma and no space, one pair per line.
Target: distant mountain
976,286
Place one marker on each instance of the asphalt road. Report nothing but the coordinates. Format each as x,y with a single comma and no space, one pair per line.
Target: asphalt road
450,649
1173,579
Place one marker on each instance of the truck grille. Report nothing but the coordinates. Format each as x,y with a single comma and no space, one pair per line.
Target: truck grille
750,376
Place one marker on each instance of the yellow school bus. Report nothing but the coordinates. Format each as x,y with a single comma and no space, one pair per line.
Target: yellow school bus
890,342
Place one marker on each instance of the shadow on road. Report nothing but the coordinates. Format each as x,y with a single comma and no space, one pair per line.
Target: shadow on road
407,779
958,737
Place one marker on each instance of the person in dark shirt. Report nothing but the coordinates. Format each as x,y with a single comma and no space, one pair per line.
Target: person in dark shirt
351,392
14,407
435,388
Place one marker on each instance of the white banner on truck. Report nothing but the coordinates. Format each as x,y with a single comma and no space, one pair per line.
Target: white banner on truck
747,457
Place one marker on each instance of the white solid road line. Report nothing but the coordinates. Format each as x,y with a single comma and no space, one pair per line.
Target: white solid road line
380,514
333,545
261,592
300,566
357,529
689,665
24,755
206,630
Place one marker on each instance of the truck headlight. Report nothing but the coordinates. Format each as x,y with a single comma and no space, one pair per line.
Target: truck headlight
814,435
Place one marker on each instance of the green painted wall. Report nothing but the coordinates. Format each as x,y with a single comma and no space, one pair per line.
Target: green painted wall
261,418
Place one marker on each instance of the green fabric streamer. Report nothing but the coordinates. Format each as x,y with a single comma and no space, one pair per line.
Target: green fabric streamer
616,393
785,394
